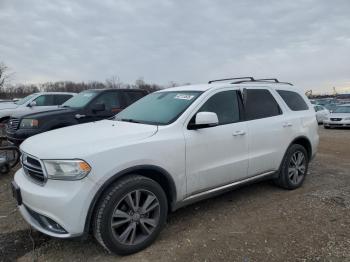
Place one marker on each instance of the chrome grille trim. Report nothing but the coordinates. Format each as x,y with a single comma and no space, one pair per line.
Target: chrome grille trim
13,124
33,172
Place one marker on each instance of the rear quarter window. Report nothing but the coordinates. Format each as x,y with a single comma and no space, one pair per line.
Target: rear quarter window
293,100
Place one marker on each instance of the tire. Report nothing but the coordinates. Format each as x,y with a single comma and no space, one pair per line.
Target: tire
326,127
134,228
292,172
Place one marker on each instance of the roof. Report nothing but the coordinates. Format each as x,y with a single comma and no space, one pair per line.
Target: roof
116,89
56,93
205,87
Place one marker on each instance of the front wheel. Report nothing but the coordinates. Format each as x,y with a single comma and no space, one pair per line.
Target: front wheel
130,215
294,167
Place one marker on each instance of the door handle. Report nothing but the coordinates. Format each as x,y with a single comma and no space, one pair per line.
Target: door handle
239,133
287,124
77,116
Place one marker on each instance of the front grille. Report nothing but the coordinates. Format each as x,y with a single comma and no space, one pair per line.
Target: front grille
33,169
336,119
13,125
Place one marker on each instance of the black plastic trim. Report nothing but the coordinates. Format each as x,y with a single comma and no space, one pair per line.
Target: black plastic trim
117,176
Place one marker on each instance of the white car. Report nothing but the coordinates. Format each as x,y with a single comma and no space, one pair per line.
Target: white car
322,113
119,178
340,117
33,100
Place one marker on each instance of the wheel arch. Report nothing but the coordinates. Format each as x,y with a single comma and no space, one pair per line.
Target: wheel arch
300,140
305,142
156,173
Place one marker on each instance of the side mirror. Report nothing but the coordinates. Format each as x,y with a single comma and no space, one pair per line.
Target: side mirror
204,119
98,107
31,104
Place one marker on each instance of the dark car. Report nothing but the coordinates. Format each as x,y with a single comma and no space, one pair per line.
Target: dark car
87,106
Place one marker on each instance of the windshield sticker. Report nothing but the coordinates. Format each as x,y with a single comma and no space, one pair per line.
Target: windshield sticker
183,97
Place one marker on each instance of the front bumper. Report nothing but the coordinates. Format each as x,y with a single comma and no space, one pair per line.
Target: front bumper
342,123
20,135
58,204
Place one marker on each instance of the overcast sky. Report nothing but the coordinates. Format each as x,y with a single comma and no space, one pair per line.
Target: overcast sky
303,41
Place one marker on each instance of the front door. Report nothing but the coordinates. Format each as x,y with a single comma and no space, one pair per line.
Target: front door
218,155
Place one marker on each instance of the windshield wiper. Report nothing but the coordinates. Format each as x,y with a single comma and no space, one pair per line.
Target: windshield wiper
129,120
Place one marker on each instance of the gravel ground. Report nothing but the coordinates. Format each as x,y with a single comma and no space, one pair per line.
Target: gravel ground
259,222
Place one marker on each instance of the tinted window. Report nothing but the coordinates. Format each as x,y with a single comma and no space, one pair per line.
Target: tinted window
45,100
260,104
225,105
132,96
60,99
294,101
111,100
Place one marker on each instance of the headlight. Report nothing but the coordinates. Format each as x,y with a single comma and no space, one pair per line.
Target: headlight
347,118
66,169
29,123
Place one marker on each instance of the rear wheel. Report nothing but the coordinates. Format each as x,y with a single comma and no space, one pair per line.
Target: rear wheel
294,167
130,215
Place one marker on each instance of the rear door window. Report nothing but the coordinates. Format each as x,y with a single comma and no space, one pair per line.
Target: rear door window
60,99
260,104
293,100
133,96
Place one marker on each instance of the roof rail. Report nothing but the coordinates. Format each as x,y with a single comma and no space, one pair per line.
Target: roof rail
250,79
235,78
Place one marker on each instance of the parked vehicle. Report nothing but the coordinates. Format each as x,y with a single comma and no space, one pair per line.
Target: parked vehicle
340,117
322,113
33,100
87,106
118,178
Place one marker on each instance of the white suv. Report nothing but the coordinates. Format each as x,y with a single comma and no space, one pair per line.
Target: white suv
119,178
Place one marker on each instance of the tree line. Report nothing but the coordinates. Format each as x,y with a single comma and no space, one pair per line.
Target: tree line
10,91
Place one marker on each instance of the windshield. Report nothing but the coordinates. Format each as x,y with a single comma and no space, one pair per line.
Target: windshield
25,99
80,100
160,108
342,109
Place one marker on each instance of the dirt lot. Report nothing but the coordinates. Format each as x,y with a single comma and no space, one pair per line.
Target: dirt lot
259,222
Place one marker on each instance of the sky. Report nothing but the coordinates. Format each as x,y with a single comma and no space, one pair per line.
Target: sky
306,42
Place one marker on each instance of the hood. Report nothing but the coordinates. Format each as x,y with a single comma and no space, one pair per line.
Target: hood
83,140
38,112
339,115
21,111
8,105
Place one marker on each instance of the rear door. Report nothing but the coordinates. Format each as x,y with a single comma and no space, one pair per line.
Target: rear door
218,155
268,130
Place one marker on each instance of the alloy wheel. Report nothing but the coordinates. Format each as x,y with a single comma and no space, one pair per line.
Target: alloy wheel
135,217
297,167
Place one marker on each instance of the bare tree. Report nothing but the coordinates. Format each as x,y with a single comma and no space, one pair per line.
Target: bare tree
114,82
4,76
